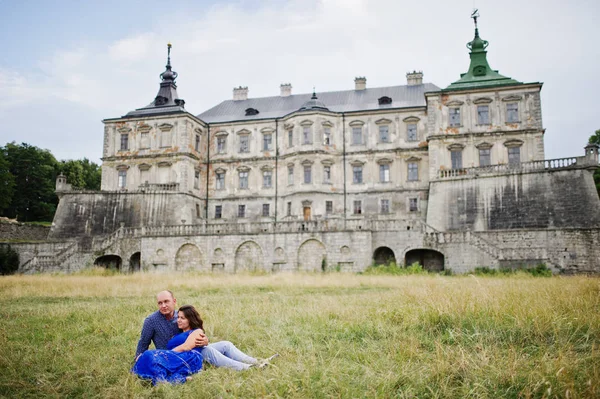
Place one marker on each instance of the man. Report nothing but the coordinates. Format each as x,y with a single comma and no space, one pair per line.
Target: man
161,325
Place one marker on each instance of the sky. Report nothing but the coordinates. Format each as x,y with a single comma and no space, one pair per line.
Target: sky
66,65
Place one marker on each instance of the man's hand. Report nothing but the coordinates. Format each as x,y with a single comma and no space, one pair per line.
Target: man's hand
201,340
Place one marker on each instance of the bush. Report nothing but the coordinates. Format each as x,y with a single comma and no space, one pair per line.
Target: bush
9,260
540,270
393,269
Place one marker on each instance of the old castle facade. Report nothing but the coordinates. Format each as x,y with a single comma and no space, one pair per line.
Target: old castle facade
453,178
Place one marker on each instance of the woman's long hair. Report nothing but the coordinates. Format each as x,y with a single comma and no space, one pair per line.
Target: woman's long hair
193,316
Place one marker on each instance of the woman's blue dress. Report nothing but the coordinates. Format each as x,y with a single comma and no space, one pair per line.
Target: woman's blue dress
161,365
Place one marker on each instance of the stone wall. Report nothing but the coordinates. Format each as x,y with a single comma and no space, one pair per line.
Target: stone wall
20,231
518,200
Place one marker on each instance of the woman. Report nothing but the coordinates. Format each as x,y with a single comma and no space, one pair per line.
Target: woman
181,359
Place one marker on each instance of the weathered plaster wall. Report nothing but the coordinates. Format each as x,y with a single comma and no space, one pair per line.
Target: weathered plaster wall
20,231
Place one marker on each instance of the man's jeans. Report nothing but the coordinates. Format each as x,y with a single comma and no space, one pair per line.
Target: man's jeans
225,354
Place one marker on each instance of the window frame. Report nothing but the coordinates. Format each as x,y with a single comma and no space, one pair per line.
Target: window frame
122,178
384,210
384,139
328,207
384,173
415,201
307,173
242,211
357,207
267,178
409,130
357,174
327,136
266,207
512,115
456,159
306,135
412,168
290,175
267,141
357,132
221,144
124,145
326,174
483,118
218,212
243,177
220,180
244,141
454,117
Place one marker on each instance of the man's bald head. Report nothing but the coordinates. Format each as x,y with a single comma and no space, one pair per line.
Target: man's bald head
166,303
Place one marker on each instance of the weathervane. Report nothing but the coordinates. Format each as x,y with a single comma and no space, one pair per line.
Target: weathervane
475,15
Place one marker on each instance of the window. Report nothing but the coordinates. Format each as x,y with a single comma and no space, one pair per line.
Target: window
289,209
267,178
411,132
483,114
243,179
165,139
327,136
218,211
485,157
384,173
265,210
241,211
385,206
328,207
357,207
413,171
122,178
306,136
197,210
244,143
220,181
267,141
454,114
197,143
145,140
357,135
290,175
384,134
197,179
307,174
514,155
456,158
290,138
221,142
413,205
512,112
326,174
357,174
124,142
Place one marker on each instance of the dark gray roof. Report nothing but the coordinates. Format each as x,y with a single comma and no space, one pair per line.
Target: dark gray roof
335,101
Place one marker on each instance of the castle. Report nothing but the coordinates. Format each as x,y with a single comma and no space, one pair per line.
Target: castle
453,178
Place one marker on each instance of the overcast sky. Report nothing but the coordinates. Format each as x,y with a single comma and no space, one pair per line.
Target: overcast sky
66,65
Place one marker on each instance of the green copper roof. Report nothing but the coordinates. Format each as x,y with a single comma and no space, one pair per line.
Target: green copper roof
480,74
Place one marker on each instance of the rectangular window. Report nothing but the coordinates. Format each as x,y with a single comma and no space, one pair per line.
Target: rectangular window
413,171
165,139
266,209
483,114
512,112
385,206
413,205
290,175
218,211
197,143
124,142
514,155
197,210
411,132
307,174
267,178
220,181
357,135
327,136
145,140
306,139
122,178
384,173
289,209
384,134
357,207
241,211
290,138
456,158
221,141
328,207
485,157
454,114
197,179
357,174
267,142
326,174
244,143
244,179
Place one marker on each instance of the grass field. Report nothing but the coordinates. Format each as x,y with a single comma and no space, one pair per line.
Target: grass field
339,335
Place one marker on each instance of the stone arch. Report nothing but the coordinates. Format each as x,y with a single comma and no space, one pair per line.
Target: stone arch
312,256
135,262
188,257
248,257
430,259
383,256
109,261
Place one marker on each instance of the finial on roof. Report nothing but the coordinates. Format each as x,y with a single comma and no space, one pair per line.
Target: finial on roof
168,74
314,96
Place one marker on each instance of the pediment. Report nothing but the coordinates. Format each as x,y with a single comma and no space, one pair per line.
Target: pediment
288,126
384,161
122,167
124,129
482,100
144,166
356,123
164,164
327,162
512,98
220,171
327,124
243,169
144,128
243,132
306,122
198,130
266,167
357,162
165,127
413,159
454,103
307,162
484,146
513,143
383,121
411,119
456,147
221,133
267,130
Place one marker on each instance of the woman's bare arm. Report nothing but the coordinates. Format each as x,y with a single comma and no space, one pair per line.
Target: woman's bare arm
190,342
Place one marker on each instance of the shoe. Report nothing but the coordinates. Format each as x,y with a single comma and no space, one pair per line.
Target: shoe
262,363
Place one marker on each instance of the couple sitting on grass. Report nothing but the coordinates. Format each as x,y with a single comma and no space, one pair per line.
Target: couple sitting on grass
178,354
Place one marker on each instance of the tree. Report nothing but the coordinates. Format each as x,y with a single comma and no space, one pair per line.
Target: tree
7,182
82,173
595,139
34,171
9,260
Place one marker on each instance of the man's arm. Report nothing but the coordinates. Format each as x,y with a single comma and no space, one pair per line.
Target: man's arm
201,340
145,338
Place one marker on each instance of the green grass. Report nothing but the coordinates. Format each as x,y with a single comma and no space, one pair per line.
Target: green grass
339,335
